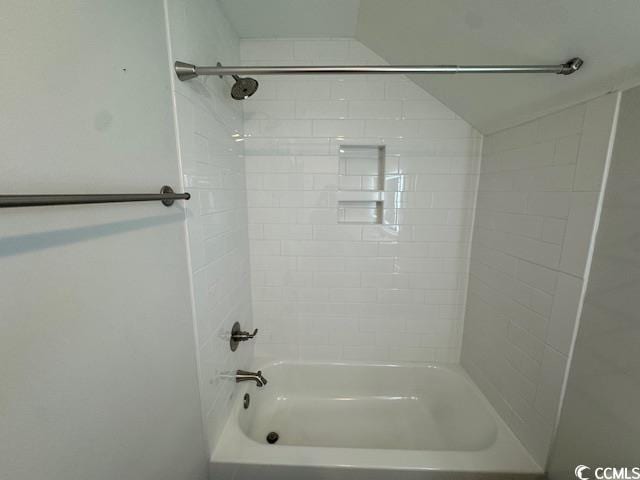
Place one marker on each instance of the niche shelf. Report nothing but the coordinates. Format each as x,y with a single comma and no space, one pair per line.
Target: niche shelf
361,184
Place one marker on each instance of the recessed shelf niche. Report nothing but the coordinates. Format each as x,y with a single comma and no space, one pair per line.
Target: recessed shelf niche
361,184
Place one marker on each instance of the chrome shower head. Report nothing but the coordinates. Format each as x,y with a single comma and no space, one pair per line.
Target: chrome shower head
243,88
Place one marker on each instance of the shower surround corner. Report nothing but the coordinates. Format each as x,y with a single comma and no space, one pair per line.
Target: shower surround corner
540,185
208,125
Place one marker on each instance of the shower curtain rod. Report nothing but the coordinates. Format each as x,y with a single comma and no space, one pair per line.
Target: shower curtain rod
186,71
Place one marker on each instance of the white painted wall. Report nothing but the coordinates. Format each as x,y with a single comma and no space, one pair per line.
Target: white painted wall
323,290
209,126
539,188
600,423
97,358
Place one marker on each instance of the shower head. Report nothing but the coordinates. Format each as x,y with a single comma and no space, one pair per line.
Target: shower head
243,88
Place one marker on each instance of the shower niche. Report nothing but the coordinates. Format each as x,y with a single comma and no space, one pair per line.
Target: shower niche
361,184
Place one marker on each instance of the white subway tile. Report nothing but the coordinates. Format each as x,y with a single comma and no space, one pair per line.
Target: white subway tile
404,296
392,128
527,342
336,279
357,89
547,400
318,51
453,199
594,143
265,50
386,280
269,109
367,352
278,127
305,294
283,181
321,109
434,281
320,164
566,150
564,312
519,136
265,247
321,264
387,233
302,89
578,232
418,265
546,179
287,232
549,204
379,109
561,124
433,233
552,230
272,164
337,232
338,128
525,225
353,295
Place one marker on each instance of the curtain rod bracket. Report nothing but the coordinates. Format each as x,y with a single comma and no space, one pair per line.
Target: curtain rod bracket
571,66
185,71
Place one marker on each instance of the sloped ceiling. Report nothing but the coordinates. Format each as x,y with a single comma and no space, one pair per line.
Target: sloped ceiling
292,18
605,33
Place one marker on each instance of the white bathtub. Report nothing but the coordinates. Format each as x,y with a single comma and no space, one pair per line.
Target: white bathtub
367,421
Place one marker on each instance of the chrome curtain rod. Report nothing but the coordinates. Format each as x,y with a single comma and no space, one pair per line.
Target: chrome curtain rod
186,71
167,196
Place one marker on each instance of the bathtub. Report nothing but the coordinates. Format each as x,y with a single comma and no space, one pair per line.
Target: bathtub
366,421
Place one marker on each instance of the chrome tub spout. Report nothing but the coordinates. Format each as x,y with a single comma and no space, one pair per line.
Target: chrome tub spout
244,376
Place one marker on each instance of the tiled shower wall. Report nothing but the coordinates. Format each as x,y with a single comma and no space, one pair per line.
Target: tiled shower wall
209,124
333,291
539,188
603,380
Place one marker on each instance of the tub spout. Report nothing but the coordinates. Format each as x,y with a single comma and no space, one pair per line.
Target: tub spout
244,376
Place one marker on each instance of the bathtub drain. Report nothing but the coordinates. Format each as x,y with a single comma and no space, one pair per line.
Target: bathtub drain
272,437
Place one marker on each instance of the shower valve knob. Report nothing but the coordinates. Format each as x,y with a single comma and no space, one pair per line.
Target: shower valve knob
243,336
238,336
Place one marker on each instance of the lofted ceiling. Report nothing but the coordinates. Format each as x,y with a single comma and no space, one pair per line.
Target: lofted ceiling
292,18
605,33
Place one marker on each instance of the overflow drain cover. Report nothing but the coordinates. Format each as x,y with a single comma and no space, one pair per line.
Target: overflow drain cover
272,437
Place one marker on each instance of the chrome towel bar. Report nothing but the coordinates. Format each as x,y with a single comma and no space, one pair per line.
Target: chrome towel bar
167,196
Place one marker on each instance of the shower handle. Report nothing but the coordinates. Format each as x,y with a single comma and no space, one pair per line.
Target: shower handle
238,336
244,336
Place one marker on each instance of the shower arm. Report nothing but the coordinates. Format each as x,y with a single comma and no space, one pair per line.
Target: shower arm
187,71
